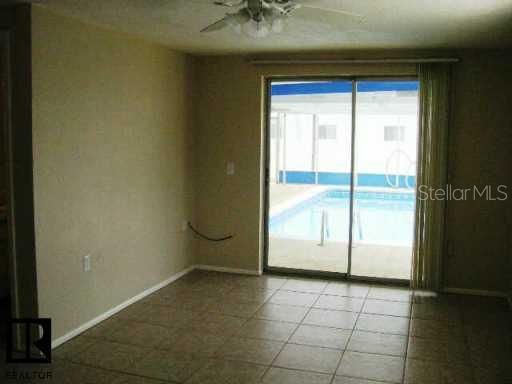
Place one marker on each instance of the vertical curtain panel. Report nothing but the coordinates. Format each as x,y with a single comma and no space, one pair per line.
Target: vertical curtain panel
432,169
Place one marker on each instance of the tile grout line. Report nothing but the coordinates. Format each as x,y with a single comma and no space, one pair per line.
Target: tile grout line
351,333
291,335
231,336
119,372
287,341
302,323
135,374
408,337
252,317
466,344
267,368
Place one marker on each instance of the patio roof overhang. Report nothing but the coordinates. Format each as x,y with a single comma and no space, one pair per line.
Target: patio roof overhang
342,86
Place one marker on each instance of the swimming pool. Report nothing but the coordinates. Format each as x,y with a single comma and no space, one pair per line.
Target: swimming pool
380,218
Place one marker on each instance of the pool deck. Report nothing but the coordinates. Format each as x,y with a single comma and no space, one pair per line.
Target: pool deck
284,193
282,199
369,260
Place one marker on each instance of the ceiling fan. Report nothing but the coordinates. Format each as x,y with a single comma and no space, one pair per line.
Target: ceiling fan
258,18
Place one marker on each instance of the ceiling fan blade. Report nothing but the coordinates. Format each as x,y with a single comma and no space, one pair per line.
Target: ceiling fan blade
326,9
327,22
229,3
218,25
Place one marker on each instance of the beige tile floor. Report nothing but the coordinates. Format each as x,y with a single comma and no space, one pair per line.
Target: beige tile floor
220,328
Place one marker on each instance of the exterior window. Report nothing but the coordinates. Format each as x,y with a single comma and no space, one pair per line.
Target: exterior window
327,132
394,133
274,128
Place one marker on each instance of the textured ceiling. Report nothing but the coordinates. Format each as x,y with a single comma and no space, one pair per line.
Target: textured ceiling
386,24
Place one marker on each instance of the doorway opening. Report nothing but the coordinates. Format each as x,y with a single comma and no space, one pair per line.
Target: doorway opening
5,244
18,291
341,176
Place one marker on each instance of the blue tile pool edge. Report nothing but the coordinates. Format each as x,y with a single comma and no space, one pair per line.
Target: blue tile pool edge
344,194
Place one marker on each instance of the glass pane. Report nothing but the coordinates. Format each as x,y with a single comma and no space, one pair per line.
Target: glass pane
384,178
310,175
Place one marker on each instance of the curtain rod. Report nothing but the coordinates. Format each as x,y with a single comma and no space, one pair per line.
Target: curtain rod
356,61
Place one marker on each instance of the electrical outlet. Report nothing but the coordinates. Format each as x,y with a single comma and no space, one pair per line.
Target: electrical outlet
184,225
87,263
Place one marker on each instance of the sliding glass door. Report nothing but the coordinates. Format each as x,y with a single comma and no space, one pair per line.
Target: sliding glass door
385,153
341,163
309,175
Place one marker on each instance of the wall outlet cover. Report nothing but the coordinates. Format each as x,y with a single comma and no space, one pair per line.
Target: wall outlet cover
230,168
87,263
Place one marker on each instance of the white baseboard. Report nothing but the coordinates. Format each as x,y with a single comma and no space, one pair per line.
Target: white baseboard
91,323
476,292
229,270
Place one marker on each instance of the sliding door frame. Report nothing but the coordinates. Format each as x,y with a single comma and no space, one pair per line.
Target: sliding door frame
266,166
268,80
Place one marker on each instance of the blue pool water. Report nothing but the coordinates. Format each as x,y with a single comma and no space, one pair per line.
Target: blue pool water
380,218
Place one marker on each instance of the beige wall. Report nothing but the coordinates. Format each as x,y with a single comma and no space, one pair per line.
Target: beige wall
121,136
229,129
111,124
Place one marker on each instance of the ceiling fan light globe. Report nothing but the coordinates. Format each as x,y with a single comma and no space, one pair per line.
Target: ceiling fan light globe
242,16
237,29
278,25
256,29
234,23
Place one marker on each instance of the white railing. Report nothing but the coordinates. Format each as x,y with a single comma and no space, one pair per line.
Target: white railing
324,227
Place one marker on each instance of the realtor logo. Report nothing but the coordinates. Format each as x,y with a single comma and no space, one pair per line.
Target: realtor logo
36,351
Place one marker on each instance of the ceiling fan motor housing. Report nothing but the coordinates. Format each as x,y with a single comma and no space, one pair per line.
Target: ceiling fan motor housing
255,6
259,8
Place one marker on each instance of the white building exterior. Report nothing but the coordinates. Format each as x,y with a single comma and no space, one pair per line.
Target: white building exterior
312,133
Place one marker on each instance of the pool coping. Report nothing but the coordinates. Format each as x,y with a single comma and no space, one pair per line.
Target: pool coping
284,206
